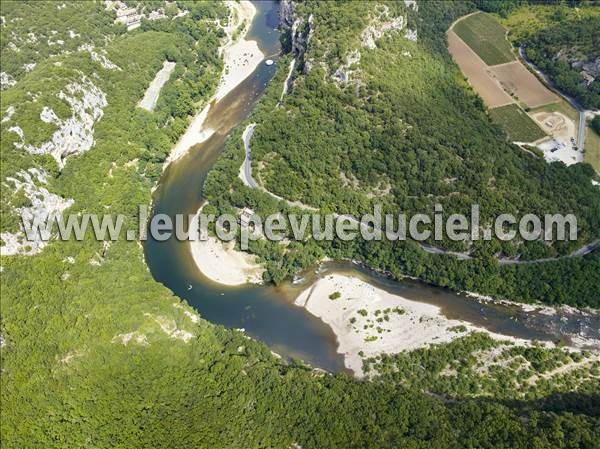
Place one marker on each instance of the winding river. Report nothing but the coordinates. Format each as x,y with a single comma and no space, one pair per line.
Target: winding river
267,312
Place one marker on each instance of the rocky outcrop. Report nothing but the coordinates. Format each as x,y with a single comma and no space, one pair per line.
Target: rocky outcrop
343,73
286,14
43,204
411,4
379,26
411,35
10,111
99,58
74,135
300,31
6,81
591,71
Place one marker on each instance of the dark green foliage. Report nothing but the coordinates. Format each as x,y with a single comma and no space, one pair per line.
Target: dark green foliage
596,124
561,49
70,381
382,142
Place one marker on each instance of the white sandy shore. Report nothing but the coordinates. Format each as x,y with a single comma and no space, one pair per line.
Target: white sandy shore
241,57
418,326
222,263
195,134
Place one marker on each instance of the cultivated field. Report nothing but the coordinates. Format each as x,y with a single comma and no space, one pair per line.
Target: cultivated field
486,37
479,46
523,85
475,70
517,124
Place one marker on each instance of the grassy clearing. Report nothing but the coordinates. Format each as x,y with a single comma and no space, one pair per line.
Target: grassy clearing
517,124
592,149
486,37
528,20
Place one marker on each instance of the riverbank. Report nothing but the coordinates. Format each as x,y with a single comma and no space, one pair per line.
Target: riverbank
368,321
240,59
222,263
241,56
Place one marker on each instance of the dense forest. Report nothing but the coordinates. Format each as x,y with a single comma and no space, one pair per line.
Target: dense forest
563,41
96,353
596,124
562,50
375,140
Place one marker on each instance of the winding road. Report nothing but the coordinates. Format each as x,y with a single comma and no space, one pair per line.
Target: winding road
247,179
246,168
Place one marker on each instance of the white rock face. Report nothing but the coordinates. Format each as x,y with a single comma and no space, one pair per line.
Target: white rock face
104,61
31,38
343,73
169,327
74,135
43,204
48,116
10,111
135,337
379,26
97,57
29,67
156,15
411,4
17,130
6,81
411,35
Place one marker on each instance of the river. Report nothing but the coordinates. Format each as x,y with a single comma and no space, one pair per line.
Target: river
267,312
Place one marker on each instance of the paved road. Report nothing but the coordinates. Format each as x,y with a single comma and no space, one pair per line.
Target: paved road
581,132
246,171
546,79
248,180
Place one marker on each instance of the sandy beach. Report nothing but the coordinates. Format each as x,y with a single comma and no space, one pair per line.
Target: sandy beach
240,59
372,321
222,263
195,134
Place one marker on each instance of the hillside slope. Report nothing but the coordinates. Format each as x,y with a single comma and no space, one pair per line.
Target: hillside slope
96,353
384,117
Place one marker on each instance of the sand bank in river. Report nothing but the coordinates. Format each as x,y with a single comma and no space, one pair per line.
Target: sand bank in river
241,56
222,263
240,59
358,319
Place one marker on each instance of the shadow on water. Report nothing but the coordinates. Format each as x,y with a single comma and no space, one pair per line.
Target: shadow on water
267,312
